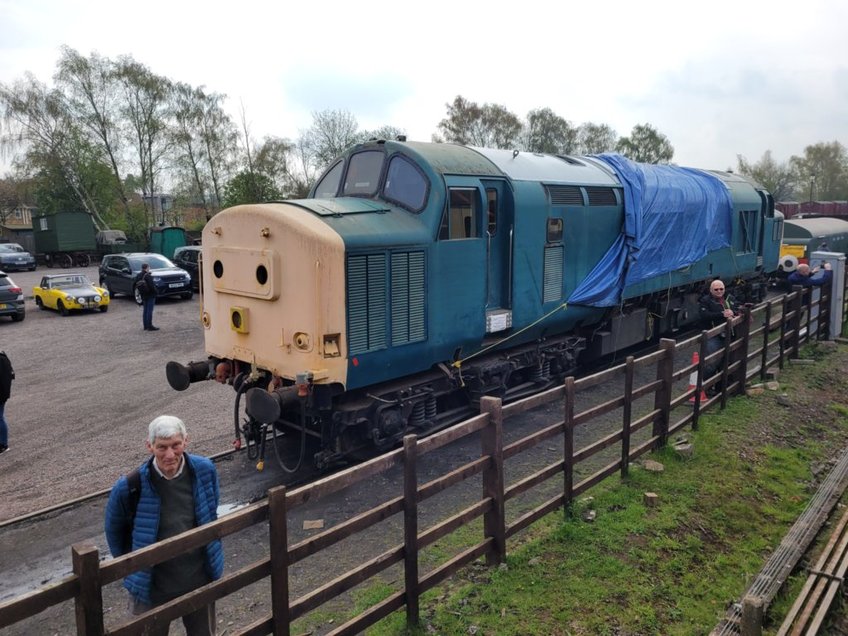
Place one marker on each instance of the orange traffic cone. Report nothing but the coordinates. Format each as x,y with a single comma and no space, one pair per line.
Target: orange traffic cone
693,380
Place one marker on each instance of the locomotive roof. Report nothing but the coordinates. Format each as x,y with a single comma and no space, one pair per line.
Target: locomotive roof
520,166
809,228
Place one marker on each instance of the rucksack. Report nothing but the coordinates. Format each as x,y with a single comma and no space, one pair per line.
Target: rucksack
142,286
7,374
134,485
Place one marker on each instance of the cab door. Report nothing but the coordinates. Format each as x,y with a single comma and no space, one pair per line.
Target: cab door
499,240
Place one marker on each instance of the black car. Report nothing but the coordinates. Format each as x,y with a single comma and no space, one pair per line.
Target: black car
11,299
188,258
119,271
13,257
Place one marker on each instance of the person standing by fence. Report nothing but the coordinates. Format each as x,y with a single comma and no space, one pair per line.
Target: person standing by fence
714,307
806,277
170,493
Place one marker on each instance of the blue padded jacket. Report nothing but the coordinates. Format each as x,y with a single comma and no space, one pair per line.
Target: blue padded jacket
146,526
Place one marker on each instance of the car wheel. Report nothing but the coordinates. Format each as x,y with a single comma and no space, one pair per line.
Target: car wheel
18,317
60,307
39,303
138,299
108,288
104,309
188,295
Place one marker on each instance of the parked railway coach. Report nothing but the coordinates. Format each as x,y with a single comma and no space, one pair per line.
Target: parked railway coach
419,277
802,237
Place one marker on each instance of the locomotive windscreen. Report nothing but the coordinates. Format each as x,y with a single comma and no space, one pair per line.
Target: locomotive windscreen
673,216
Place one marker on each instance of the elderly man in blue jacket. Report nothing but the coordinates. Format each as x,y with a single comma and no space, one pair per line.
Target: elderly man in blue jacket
178,491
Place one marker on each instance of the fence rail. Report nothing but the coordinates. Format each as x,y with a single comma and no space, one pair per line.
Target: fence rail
764,336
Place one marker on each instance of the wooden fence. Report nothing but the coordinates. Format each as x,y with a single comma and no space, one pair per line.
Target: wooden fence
763,337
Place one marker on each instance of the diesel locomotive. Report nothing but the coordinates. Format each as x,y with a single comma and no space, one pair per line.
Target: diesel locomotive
417,278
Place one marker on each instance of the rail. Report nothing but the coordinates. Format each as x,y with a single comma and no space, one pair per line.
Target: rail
750,349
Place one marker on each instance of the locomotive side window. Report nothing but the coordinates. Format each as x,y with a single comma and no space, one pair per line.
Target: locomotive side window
363,173
405,184
329,184
492,204
747,230
554,233
460,219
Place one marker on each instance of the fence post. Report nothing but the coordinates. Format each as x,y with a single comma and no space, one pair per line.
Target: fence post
797,306
782,347
568,446
744,332
88,604
491,439
699,382
279,550
662,398
766,329
410,528
725,362
627,415
752,616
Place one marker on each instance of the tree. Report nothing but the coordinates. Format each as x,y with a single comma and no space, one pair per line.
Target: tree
332,132
90,88
593,139
549,133
250,187
488,126
646,145
775,177
145,107
38,120
824,167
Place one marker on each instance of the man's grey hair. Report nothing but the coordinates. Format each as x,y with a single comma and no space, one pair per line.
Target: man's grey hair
165,426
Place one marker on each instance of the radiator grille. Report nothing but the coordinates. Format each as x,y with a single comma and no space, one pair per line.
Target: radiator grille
601,196
407,297
366,302
553,274
565,195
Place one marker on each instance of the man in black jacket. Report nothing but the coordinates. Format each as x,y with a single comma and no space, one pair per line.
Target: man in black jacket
147,291
714,307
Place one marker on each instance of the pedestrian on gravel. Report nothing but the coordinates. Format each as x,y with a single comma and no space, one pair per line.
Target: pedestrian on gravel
147,290
177,491
806,277
714,308
7,374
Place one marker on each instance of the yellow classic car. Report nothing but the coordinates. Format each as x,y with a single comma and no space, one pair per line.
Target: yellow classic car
67,292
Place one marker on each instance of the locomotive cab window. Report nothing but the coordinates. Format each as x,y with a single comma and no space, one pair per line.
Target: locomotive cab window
405,184
363,173
328,186
460,218
747,231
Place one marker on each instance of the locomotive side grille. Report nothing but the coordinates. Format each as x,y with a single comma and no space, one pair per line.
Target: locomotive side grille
601,196
553,274
407,297
366,299
564,195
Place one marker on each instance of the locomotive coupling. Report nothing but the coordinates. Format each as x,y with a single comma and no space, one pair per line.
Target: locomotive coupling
181,375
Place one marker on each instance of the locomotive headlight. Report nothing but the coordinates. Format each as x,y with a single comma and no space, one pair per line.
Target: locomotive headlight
238,319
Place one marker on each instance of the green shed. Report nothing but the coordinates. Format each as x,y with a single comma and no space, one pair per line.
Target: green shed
63,232
164,240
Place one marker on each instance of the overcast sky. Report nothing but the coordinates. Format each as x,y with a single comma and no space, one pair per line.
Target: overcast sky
718,78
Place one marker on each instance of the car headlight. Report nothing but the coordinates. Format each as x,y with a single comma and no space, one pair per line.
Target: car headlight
81,300
105,293
97,299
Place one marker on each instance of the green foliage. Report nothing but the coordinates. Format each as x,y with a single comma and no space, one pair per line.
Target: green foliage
549,133
646,145
488,126
593,138
250,187
824,170
777,178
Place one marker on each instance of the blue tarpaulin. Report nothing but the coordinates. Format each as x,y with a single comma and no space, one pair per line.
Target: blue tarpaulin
672,217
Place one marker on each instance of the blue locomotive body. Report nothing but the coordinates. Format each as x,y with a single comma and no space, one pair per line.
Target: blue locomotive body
418,277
